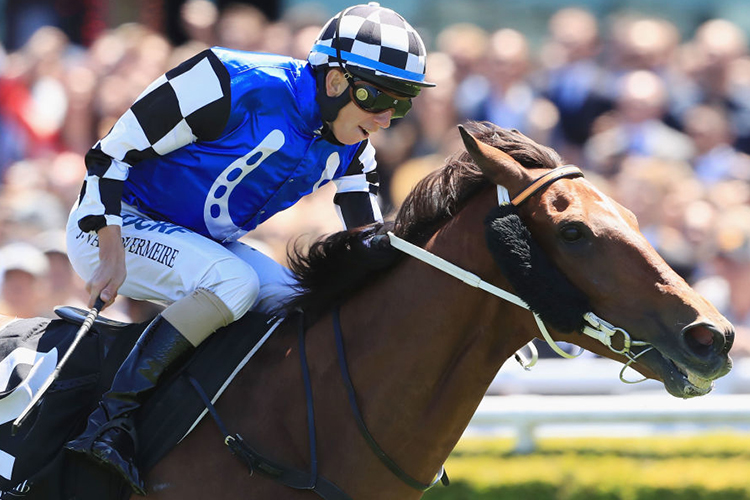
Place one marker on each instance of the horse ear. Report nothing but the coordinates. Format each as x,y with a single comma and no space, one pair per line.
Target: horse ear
498,166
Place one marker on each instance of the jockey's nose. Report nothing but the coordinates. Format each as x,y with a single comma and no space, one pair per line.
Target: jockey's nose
383,119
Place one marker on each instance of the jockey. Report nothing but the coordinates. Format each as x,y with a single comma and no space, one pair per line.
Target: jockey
210,150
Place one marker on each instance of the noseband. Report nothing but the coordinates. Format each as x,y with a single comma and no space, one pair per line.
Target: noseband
616,339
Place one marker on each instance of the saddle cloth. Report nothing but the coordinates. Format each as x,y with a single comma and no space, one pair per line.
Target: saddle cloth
31,461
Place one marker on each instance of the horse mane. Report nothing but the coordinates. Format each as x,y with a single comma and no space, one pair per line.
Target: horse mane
336,266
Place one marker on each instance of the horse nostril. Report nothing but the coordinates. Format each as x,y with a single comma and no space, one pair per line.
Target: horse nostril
704,339
702,335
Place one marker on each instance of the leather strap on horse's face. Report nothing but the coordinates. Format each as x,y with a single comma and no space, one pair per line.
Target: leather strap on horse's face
540,183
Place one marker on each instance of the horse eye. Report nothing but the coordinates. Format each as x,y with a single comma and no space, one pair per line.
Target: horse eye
571,232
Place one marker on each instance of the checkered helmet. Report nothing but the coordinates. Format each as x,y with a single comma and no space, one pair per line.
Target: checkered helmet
375,44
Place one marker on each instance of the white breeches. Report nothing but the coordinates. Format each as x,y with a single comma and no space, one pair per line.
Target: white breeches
166,262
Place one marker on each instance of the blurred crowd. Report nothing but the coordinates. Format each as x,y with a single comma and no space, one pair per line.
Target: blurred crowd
658,119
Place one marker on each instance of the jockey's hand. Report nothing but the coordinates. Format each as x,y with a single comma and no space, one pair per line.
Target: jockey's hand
110,274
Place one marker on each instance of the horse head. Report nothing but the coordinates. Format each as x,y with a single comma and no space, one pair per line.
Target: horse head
608,269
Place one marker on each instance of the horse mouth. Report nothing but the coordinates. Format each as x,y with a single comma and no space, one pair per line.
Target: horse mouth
691,384
679,380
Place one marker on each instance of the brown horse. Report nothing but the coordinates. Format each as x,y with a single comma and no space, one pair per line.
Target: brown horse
422,347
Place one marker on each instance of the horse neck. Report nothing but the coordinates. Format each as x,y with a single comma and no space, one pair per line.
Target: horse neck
435,344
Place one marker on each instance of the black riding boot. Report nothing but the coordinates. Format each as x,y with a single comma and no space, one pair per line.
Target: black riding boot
109,437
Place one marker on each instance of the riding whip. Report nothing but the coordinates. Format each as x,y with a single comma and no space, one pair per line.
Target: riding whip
82,331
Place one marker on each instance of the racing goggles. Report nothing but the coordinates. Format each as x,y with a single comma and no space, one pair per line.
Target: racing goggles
373,99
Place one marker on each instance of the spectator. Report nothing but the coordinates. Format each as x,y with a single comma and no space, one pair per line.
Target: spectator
715,160
573,79
27,205
643,43
24,280
466,45
510,100
64,287
637,128
198,19
242,27
654,191
716,45
714,62
77,131
436,115
728,284
33,101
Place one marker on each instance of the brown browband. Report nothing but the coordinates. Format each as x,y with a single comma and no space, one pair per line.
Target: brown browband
545,180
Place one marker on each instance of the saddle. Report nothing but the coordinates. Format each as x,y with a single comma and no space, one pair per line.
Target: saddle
30,349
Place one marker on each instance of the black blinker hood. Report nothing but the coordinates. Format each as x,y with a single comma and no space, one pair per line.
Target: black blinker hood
534,277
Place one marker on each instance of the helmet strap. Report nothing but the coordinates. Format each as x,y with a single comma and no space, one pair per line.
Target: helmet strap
326,132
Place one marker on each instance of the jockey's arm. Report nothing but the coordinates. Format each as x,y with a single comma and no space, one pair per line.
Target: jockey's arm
144,132
356,196
154,126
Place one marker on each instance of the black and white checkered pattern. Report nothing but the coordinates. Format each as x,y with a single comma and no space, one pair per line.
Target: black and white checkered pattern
188,98
356,198
374,38
189,102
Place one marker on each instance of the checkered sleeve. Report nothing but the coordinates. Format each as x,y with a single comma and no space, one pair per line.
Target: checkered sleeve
356,197
188,103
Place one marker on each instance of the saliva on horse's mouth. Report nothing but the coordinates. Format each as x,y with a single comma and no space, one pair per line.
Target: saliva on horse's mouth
696,384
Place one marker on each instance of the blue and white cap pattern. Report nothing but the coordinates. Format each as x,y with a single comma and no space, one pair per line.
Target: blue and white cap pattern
375,39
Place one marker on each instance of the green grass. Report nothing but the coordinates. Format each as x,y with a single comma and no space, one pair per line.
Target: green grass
706,467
